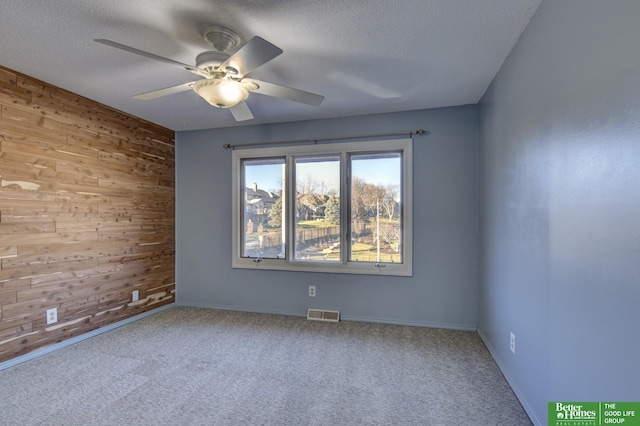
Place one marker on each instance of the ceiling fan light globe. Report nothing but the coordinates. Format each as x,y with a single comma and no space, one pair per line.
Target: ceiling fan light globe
221,92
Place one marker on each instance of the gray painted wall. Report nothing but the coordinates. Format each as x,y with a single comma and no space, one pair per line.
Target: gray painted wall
560,222
443,291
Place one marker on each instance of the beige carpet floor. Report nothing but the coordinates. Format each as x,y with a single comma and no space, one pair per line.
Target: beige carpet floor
193,366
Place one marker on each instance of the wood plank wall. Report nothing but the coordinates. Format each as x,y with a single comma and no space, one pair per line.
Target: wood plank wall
87,206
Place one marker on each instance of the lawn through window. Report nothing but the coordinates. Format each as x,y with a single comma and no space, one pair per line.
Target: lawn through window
376,208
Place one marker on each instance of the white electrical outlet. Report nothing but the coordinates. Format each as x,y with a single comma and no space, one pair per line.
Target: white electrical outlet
512,343
52,316
135,296
312,291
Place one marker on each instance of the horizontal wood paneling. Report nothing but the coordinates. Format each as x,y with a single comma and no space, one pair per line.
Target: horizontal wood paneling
87,202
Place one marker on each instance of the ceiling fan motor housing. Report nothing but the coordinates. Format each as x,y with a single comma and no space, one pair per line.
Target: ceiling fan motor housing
211,60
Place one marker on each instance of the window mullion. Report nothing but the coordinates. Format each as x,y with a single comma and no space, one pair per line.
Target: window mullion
345,205
291,205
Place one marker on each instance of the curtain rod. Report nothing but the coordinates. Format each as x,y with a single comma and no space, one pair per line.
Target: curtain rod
374,135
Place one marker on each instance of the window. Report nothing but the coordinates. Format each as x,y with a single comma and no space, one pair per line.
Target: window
324,208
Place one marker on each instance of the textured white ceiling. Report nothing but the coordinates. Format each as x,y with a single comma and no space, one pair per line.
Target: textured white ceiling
364,56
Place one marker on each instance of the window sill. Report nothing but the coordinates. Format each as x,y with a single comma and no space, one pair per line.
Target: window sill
361,268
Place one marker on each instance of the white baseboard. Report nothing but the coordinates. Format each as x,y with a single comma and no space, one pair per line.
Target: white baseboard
48,349
525,404
342,317
460,327
240,309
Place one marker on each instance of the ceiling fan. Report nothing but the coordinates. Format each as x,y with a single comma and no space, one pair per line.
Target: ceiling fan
224,83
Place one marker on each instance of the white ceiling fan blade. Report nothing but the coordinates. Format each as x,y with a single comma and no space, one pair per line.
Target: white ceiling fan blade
254,53
149,55
278,91
164,92
241,112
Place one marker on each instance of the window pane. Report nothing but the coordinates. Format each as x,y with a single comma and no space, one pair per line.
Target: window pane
317,209
376,208
263,227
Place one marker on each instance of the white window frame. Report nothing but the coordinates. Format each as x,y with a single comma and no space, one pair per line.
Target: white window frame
343,150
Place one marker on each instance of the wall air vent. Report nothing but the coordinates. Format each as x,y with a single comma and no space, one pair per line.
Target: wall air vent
323,315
